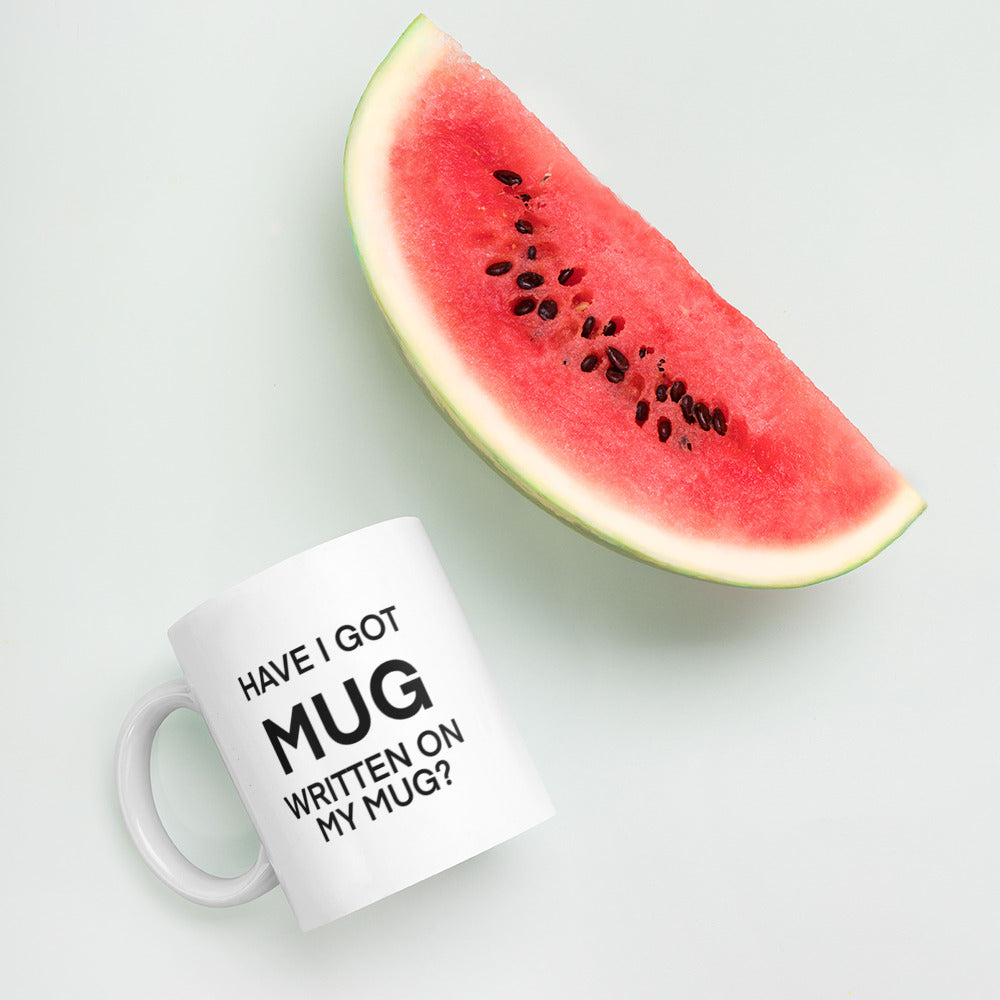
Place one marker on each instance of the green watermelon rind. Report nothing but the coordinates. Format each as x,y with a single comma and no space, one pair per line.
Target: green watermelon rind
440,372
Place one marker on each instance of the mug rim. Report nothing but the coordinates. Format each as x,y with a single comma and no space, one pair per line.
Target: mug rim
232,591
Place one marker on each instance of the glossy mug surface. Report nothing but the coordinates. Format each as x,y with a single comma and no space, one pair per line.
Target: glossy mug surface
357,718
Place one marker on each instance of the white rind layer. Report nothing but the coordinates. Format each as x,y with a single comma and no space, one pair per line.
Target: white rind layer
475,413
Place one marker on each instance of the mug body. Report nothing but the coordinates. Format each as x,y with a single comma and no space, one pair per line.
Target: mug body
354,712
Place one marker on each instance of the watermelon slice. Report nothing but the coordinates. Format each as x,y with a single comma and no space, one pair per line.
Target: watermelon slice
582,355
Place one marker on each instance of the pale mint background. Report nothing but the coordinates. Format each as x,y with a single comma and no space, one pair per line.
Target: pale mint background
761,795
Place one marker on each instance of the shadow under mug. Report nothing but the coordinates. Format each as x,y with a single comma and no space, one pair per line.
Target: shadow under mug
355,714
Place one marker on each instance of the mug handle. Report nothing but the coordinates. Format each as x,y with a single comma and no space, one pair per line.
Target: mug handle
135,796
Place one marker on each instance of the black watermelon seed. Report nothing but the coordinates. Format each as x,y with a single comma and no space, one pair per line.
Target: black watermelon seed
704,416
685,443
500,267
589,363
523,226
661,393
565,274
719,421
524,306
531,253
529,279
507,177
687,408
677,389
609,330
663,428
525,198
642,352
615,375
617,359
588,327
641,412
547,308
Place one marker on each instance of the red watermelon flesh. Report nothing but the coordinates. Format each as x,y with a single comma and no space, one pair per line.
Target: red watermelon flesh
631,399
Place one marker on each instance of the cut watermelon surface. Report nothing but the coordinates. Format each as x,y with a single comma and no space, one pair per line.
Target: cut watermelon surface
582,355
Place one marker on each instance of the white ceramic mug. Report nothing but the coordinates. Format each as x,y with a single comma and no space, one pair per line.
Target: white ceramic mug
354,712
